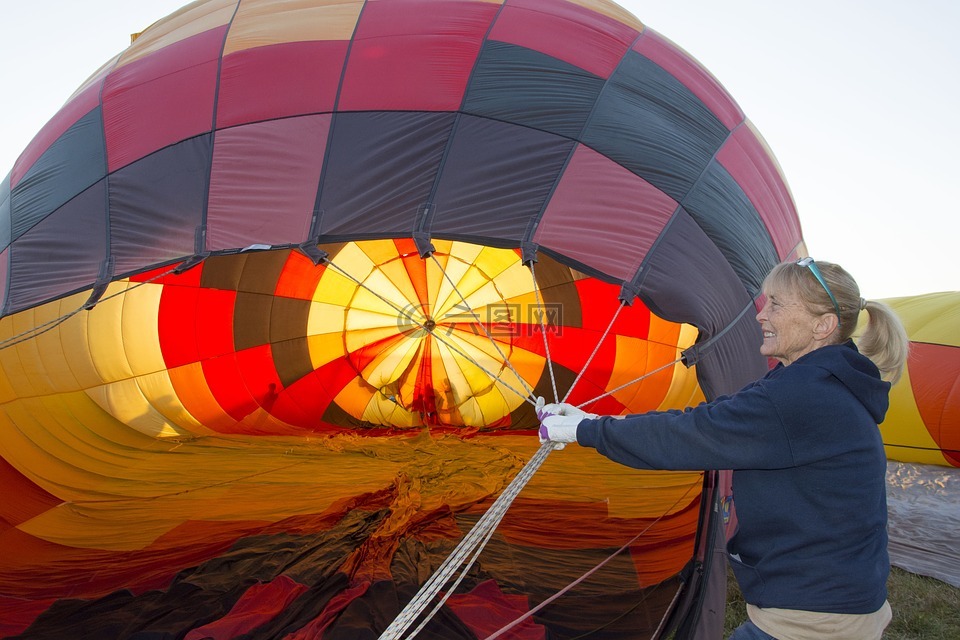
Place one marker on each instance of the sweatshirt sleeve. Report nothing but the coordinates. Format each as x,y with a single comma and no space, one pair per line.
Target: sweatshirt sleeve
735,432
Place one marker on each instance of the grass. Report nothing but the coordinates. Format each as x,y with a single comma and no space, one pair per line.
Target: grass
923,608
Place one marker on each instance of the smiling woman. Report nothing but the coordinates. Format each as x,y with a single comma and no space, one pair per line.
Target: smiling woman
804,446
826,306
789,330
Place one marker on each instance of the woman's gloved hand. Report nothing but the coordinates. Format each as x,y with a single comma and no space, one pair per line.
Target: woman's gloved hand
559,429
558,421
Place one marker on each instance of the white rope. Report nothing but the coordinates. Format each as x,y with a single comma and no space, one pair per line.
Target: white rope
511,625
34,332
543,332
463,574
616,314
632,382
474,541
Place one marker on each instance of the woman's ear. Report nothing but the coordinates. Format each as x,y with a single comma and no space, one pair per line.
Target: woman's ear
825,326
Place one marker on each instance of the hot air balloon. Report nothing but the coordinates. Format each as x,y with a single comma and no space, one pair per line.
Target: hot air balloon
281,282
923,424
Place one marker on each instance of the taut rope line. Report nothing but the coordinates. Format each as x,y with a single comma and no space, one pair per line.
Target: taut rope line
504,629
33,332
632,382
616,314
474,540
543,331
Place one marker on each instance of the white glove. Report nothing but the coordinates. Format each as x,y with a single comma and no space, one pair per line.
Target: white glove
559,429
562,409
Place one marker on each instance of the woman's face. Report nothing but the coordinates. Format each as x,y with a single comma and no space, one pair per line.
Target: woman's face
788,328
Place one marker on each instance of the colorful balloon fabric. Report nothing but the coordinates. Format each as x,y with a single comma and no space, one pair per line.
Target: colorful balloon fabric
281,282
923,424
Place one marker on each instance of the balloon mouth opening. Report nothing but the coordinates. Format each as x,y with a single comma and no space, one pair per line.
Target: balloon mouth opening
389,339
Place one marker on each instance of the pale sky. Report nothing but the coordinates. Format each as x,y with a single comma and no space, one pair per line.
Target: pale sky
858,99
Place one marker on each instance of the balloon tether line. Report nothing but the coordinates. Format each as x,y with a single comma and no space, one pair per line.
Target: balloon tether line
543,331
474,541
583,369
600,565
631,382
34,332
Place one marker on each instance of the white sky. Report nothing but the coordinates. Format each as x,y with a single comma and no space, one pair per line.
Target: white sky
859,100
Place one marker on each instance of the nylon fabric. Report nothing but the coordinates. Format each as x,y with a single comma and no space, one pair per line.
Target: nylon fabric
720,300
190,21
266,23
573,34
592,182
70,165
692,75
514,84
669,157
269,470
748,161
392,64
271,30
52,258
82,102
471,189
157,205
716,190
137,118
5,220
249,177
381,167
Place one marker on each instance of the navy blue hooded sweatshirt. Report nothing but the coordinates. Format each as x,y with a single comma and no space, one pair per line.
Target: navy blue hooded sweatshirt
809,476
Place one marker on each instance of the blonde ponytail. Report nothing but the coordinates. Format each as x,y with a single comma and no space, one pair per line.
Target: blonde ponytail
884,340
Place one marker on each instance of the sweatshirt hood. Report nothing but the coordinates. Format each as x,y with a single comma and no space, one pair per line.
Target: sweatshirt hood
856,372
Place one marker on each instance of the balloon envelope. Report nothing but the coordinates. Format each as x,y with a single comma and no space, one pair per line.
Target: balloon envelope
923,424
280,281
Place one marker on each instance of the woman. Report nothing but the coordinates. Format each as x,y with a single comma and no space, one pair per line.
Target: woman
809,469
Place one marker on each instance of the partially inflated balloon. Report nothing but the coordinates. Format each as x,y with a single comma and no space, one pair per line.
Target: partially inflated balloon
281,281
923,424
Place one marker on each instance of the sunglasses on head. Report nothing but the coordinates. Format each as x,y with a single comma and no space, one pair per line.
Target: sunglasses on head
815,270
